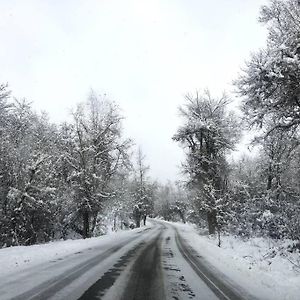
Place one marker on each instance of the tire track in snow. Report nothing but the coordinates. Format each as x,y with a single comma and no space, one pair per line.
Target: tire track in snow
222,290
143,265
49,288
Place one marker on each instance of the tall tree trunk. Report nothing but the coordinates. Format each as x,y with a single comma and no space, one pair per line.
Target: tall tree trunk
270,178
94,222
212,222
115,222
181,214
86,224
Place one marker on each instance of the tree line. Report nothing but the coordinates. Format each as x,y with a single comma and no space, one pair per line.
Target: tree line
62,180
254,195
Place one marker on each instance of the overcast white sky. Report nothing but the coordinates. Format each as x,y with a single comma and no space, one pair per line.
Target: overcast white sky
144,54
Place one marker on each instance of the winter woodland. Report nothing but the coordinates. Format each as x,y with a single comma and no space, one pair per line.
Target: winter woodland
84,178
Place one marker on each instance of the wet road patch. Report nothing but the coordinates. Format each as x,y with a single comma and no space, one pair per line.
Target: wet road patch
99,288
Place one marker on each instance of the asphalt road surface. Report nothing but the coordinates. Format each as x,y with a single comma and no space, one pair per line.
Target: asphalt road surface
155,263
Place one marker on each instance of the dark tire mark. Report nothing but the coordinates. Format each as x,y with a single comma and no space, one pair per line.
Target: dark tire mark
146,280
50,287
221,289
98,289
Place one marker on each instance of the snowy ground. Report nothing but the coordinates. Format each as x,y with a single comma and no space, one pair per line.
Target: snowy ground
258,267
16,259
262,267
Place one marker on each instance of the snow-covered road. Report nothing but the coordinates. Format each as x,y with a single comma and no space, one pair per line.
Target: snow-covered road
149,263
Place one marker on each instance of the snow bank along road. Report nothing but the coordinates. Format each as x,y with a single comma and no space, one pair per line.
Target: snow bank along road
150,263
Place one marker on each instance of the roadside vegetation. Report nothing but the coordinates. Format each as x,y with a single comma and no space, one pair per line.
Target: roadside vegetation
84,178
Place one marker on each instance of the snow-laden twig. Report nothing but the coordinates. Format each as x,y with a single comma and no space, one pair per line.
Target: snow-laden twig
295,265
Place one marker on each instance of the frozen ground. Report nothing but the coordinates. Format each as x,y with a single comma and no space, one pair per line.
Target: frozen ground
263,267
257,267
16,259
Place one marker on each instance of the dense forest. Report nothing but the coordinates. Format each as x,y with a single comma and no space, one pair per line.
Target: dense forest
84,177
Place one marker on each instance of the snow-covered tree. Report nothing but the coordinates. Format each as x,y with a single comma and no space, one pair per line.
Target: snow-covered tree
269,84
270,90
208,133
143,189
98,153
26,166
172,202
57,180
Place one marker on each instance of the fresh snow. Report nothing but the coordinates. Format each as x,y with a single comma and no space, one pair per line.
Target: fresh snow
18,258
262,267
34,268
259,267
